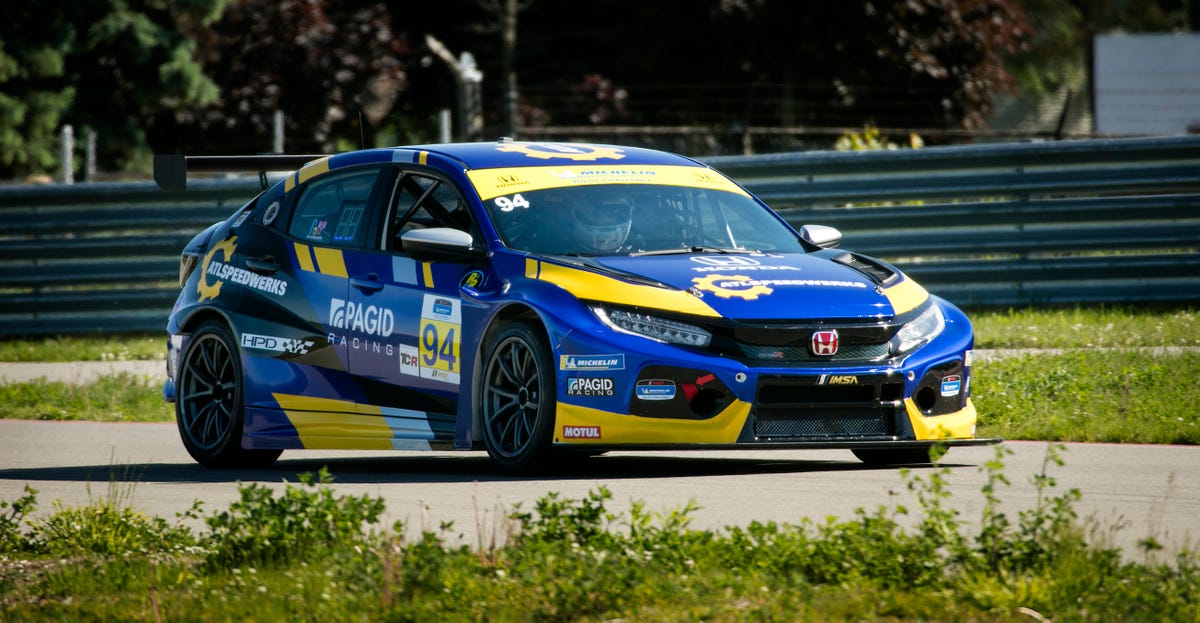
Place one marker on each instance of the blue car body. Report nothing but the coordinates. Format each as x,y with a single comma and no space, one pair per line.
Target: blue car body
433,297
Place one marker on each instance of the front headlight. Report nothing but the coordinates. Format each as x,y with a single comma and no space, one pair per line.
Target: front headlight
920,331
653,327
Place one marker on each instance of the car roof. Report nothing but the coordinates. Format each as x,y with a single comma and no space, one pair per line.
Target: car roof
505,153
486,155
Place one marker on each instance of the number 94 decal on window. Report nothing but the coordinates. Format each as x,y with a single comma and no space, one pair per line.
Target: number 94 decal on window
440,339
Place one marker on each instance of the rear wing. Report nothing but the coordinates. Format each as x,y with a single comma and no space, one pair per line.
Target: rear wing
171,170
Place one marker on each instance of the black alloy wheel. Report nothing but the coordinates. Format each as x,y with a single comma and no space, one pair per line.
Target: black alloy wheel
517,398
208,408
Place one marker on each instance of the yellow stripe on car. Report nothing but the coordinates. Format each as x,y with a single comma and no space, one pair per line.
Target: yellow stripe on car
492,183
324,423
330,262
304,257
906,296
957,425
615,428
591,286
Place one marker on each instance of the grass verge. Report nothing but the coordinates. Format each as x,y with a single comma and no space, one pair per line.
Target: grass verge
129,347
121,397
1112,396
1086,327
308,554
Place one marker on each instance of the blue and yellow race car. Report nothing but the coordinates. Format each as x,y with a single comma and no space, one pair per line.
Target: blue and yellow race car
536,298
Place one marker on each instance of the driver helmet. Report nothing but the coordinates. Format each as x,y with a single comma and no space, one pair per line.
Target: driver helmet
602,225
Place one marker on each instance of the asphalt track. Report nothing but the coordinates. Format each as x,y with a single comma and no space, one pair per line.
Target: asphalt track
1129,492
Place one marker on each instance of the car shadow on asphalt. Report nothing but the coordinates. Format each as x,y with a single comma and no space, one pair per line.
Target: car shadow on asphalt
472,467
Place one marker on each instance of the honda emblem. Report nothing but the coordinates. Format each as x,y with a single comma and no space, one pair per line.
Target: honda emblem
825,343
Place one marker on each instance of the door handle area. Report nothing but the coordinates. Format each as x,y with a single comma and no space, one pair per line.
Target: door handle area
370,283
264,265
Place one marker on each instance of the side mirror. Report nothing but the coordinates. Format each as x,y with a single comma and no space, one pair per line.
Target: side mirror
821,236
439,243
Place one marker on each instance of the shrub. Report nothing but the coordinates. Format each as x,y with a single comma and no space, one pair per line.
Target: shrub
262,528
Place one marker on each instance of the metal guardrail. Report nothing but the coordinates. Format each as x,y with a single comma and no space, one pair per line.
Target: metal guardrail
1095,221
1114,221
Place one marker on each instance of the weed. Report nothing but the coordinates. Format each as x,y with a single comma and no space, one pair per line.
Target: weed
12,514
260,528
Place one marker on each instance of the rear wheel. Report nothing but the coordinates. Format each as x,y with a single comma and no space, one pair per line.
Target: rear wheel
893,456
208,408
517,398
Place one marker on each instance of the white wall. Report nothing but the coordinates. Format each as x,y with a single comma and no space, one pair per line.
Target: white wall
1147,84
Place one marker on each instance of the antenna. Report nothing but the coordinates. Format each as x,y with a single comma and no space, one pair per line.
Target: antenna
362,135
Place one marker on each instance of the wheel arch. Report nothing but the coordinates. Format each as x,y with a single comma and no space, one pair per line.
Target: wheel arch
505,315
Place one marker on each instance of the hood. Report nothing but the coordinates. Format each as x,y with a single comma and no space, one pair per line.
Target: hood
793,286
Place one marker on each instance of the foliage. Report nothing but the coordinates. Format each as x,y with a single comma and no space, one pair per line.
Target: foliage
107,65
12,516
1086,327
127,347
1089,395
260,528
1063,31
318,62
122,397
574,560
871,140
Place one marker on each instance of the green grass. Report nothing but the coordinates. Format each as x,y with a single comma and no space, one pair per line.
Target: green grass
1090,327
1110,396
132,347
306,554
121,397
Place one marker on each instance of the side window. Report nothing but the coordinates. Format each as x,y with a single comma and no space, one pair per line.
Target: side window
332,209
421,201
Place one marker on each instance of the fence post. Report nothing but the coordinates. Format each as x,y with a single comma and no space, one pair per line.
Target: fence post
66,152
89,171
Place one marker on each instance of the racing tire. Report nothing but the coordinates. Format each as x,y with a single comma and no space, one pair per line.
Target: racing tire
517,398
208,408
894,456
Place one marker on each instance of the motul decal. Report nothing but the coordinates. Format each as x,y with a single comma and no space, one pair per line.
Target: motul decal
581,432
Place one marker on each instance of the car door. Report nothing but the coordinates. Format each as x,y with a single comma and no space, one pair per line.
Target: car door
323,221
410,359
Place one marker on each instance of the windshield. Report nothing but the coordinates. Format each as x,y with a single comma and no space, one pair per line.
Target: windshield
628,219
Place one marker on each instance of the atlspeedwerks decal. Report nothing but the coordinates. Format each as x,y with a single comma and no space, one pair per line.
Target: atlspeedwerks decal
220,272
749,288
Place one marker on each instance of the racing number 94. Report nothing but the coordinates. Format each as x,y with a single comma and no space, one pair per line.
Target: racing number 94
440,346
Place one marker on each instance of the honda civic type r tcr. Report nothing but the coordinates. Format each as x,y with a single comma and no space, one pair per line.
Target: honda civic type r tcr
531,299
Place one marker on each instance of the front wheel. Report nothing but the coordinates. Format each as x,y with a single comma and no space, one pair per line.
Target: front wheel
208,408
517,397
894,456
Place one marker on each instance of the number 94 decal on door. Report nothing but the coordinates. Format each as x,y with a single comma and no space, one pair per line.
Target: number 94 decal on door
440,340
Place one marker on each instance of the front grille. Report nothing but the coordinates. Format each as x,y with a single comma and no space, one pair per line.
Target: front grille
810,427
853,352
791,408
768,344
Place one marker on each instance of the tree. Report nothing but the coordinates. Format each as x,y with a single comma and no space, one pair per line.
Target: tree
103,64
318,62
913,64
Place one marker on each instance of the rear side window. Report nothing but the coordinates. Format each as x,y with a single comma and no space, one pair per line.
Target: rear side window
332,209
